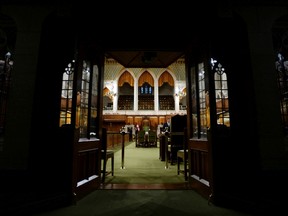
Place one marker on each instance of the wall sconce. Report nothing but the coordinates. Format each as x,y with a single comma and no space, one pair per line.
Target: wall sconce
110,95
180,94
109,90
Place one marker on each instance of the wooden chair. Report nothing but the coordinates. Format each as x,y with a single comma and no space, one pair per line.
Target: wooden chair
182,157
141,138
178,123
145,124
152,140
106,154
175,144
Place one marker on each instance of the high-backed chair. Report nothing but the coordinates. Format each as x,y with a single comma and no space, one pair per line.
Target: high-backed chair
141,138
178,123
106,154
182,157
145,124
152,139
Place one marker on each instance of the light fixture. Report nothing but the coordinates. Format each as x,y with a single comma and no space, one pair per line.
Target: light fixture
110,95
180,94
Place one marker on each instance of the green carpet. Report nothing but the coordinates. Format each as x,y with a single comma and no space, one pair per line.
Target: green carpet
141,166
143,203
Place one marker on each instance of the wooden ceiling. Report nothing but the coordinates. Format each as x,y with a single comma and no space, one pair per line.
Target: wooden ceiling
145,59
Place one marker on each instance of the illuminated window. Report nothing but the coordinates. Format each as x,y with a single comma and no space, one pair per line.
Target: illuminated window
200,110
66,94
221,94
86,100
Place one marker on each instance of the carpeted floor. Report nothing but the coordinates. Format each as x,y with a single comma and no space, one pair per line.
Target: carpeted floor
144,187
143,203
142,166
145,174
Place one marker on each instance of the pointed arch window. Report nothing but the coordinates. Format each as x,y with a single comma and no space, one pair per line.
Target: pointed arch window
67,94
126,91
146,91
221,93
201,100
86,99
166,91
146,84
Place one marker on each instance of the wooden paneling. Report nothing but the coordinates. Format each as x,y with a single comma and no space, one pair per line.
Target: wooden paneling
114,139
200,145
88,166
162,119
138,119
153,122
113,124
130,120
199,165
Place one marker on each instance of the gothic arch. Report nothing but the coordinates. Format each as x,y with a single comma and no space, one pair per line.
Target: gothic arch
126,77
166,77
146,77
